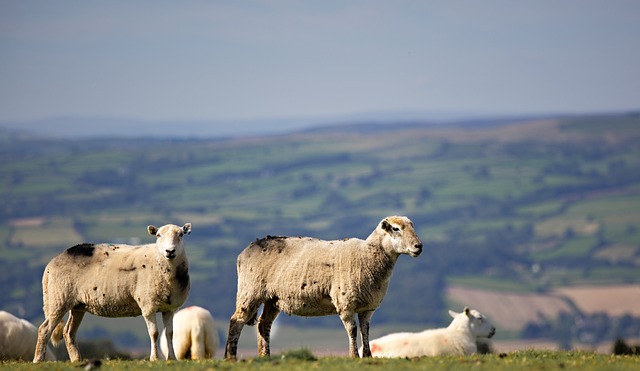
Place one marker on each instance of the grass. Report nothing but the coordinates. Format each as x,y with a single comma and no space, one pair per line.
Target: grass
576,247
489,283
305,360
59,230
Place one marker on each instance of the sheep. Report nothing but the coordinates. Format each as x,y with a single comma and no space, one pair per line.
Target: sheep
459,338
194,334
18,339
310,277
116,281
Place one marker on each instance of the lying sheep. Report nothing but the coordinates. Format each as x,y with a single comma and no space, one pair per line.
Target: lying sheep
457,339
310,277
194,334
18,339
116,281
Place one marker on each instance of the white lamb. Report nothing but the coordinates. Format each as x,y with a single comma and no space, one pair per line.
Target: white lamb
18,339
194,334
311,277
457,339
116,281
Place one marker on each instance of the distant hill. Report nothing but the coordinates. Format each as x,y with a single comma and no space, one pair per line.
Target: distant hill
513,205
116,127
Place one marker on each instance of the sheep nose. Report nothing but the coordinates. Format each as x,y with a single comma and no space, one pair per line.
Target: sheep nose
418,245
170,252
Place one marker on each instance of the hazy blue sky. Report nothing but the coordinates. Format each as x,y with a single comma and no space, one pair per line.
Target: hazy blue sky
201,60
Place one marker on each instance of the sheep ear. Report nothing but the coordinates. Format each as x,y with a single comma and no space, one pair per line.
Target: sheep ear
187,228
467,311
386,226
453,314
152,230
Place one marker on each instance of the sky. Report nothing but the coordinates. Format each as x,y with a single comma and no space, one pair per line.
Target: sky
258,60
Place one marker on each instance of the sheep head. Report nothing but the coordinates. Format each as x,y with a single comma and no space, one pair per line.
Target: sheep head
478,324
169,239
403,237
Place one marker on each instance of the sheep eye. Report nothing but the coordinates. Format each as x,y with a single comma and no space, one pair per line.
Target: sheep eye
396,229
180,234
158,235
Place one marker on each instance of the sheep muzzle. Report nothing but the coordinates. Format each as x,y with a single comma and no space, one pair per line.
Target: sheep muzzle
417,250
493,332
170,253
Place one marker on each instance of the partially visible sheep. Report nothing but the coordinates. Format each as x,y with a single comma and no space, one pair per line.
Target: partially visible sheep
310,277
194,334
18,339
116,281
457,339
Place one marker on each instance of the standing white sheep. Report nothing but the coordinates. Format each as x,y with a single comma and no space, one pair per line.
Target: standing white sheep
111,280
194,334
18,339
311,277
458,339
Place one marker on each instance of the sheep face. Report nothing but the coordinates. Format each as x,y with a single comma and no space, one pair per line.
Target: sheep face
169,239
403,237
479,325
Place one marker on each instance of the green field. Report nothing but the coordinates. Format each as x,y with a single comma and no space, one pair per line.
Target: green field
304,360
490,203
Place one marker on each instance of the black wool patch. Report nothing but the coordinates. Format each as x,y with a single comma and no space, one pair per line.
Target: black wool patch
85,249
182,276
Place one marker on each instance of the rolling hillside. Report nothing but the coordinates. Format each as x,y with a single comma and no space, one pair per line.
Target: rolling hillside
513,207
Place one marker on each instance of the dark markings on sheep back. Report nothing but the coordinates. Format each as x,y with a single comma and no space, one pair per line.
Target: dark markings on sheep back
182,276
270,243
129,269
85,249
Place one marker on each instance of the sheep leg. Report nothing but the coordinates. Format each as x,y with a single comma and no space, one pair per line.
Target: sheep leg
152,328
70,331
44,335
349,322
364,318
199,348
269,314
235,328
244,314
167,321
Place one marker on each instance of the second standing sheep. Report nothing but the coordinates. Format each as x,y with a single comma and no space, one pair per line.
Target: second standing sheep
311,277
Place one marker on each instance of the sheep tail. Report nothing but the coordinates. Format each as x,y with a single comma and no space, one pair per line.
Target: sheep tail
56,336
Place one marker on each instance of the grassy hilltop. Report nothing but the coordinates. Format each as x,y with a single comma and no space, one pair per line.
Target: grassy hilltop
303,360
525,207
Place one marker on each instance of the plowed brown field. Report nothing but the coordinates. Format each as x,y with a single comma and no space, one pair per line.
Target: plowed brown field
511,311
507,310
615,300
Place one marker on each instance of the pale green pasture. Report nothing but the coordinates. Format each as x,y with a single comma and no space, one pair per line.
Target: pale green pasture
107,160
557,226
575,247
618,253
608,206
54,232
489,283
41,185
560,277
540,209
